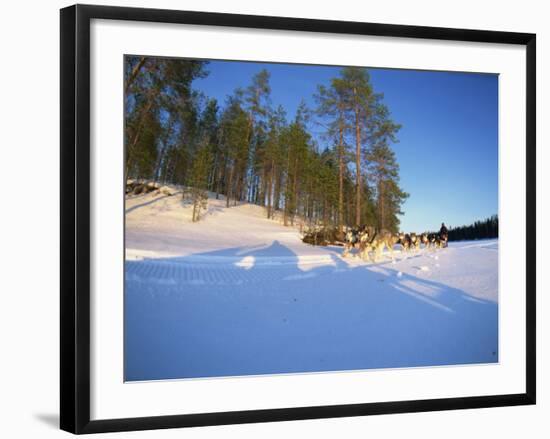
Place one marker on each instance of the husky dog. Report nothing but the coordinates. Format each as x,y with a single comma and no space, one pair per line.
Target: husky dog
357,237
364,242
368,240
405,241
443,237
441,241
415,241
424,240
379,241
432,238
350,241
437,240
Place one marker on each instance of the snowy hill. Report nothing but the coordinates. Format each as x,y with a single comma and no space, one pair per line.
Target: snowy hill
159,225
237,294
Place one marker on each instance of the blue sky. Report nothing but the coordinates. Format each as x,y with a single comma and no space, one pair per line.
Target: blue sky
448,144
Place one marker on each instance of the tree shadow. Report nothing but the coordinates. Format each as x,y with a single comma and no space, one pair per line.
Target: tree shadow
148,203
184,202
265,310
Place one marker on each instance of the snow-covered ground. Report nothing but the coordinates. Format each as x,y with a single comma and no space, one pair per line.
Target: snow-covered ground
238,294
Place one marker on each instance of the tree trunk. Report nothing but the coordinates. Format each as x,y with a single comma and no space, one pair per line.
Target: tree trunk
357,162
269,191
294,192
382,209
220,178
134,74
229,186
341,178
131,145
195,203
276,193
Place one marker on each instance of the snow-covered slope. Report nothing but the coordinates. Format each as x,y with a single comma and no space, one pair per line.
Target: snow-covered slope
238,294
158,225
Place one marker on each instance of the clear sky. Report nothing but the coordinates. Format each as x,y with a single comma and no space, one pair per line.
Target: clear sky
448,143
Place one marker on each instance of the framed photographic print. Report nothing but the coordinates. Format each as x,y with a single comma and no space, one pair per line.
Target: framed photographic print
268,218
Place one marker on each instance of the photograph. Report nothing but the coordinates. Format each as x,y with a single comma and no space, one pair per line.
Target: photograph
295,218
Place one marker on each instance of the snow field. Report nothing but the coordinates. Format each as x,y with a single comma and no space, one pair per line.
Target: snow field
238,294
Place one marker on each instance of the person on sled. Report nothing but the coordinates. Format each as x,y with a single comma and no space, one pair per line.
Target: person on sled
443,235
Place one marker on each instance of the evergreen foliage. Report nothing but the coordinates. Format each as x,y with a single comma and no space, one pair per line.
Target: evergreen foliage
250,151
485,229
198,181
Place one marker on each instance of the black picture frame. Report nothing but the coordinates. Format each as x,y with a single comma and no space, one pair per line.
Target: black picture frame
75,218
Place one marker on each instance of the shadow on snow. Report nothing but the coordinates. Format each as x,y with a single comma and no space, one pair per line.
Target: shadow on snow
262,310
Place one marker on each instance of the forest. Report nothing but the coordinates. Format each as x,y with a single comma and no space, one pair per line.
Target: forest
247,149
486,229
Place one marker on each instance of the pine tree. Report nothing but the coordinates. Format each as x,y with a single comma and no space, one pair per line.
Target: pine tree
486,229
272,160
198,182
246,150
355,83
384,171
235,146
159,98
332,105
256,101
297,141
208,133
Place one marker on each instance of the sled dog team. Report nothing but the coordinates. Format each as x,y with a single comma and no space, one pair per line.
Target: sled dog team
368,241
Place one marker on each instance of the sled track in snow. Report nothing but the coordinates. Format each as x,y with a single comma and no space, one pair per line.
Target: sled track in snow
230,270
224,273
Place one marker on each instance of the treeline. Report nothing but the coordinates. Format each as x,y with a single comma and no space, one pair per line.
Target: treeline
479,230
248,150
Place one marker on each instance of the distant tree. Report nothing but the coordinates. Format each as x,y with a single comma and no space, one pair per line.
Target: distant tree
485,229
